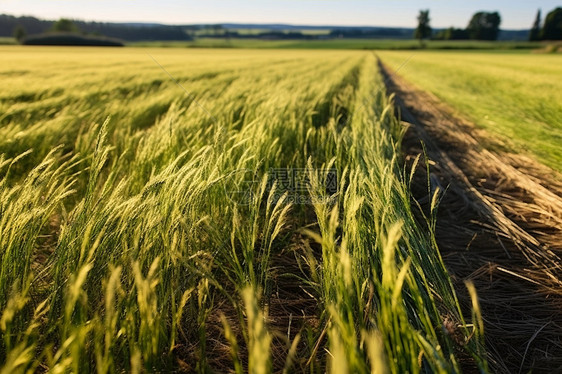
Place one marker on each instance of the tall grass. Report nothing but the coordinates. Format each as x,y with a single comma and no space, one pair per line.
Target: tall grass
142,242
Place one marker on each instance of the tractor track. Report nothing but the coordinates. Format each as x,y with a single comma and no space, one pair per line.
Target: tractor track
499,226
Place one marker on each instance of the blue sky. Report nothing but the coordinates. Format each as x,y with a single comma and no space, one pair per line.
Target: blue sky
515,13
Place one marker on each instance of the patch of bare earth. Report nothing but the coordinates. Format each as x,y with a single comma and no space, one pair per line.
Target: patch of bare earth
499,225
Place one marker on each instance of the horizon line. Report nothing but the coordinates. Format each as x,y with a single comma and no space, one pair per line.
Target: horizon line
242,23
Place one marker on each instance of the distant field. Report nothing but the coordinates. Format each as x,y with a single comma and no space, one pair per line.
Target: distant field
256,31
7,41
390,44
517,97
253,31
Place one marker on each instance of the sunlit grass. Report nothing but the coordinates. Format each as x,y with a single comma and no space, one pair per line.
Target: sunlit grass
125,244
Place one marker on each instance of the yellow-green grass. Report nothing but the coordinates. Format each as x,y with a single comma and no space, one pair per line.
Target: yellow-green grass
125,242
516,97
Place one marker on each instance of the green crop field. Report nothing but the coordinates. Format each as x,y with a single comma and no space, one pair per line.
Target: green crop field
148,227
345,43
516,97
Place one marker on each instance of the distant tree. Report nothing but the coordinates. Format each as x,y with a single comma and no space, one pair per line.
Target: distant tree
64,25
423,31
458,34
484,26
535,33
451,34
440,35
217,29
127,32
552,29
19,33
71,39
8,25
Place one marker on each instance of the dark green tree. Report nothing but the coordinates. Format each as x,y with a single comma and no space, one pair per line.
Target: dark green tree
451,34
552,29
423,31
535,33
64,25
19,33
484,26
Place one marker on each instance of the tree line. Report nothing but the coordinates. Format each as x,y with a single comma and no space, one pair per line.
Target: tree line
482,26
551,29
486,26
20,27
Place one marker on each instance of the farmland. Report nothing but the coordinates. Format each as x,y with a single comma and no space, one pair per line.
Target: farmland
516,97
347,43
257,210
146,223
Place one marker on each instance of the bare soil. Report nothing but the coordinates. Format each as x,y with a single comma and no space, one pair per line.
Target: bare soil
499,226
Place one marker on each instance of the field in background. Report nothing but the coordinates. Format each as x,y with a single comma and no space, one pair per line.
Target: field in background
256,31
391,44
517,98
7,41
172,236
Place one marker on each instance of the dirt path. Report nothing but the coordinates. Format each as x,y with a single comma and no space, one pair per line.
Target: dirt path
499,225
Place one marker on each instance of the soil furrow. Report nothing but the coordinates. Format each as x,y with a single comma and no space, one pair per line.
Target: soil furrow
498,226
